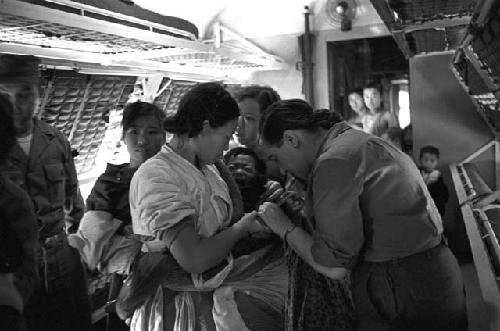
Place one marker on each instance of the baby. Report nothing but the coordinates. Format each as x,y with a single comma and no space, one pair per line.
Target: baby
249,173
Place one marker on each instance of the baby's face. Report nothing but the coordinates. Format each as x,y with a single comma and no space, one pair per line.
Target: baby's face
242,168
429,162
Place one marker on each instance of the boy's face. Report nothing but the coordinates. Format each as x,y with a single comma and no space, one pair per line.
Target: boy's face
25,99
429,161
372,98
242,167
356,102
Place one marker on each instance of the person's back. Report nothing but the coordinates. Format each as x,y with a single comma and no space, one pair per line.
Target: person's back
392,220
381,168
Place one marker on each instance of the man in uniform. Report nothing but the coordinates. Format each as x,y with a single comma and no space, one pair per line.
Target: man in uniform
41,163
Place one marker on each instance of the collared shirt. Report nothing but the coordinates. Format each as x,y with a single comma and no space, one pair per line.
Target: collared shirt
367,201
49,177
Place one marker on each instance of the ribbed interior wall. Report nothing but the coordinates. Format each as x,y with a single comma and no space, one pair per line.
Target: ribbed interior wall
103,94
64,98
487,46
419,11
435,40
470,77
77,104
169,99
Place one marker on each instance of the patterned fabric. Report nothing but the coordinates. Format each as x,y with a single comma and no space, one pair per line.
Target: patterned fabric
316,302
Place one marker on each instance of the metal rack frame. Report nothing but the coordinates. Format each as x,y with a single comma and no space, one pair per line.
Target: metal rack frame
116,46
402,32
483,242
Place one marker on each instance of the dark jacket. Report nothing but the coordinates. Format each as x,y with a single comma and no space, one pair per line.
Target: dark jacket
110,192
48,175
18,237
439,193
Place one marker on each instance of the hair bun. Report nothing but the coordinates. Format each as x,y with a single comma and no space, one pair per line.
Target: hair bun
325,118
175,125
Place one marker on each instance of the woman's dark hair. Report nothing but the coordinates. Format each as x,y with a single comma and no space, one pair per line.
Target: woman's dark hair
204,102
7,129
260,166
263,95
138,109
294,114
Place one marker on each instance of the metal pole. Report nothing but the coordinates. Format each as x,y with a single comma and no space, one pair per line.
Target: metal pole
307,69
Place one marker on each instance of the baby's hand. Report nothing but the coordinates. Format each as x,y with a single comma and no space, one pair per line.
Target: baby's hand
274,191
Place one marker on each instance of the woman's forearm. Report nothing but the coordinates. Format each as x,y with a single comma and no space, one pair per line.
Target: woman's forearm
196,254
301,242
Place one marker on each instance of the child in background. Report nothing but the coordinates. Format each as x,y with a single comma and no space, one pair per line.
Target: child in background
429,158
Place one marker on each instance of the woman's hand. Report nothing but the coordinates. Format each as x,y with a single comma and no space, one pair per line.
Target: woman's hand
250,224
275,218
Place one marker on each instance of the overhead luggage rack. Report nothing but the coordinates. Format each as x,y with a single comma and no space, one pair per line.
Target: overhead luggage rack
471,79
28,32
425,26
476,62
104,33
411,12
